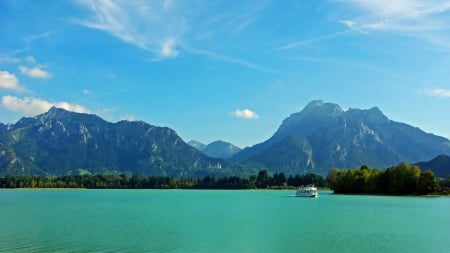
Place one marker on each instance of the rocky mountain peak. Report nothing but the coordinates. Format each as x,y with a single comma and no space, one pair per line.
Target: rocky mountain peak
52,114
314,116
372,115
320,108
59,114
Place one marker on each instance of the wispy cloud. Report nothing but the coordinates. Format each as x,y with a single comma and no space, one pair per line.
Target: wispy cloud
8,59
417,18
35,72
435,92
10,82
165,28
310,41
152,26
38,36
247,17
228,59
4,59
352,25
399,15
245,114
31,105
352,64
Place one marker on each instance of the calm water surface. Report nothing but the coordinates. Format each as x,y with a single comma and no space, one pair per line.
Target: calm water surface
219,221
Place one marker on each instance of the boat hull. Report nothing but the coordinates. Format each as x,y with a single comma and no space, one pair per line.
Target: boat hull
305,196
308,192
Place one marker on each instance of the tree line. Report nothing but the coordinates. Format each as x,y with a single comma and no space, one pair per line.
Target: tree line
263,180
403,179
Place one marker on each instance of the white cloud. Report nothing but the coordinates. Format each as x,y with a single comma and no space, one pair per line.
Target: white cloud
35,72
245,114
436,92
30,105
71,107
10,81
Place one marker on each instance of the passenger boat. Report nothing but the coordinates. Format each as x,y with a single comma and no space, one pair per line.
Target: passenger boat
307,191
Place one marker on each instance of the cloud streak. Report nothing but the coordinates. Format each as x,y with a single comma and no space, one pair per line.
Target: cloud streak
245,114
31,105
224,58
310,41
436,92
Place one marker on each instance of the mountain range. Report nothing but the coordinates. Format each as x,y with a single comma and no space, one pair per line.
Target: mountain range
319,137
60,142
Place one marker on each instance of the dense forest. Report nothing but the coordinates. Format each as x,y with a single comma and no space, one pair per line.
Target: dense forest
261,181
403,179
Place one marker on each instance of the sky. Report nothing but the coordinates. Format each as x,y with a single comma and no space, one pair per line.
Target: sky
225,70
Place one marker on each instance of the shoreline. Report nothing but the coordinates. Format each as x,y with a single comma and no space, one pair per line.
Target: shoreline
259,189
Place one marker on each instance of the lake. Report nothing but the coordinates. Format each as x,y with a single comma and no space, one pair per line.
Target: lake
219,221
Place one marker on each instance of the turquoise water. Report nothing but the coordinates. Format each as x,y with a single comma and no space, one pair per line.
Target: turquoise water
219,221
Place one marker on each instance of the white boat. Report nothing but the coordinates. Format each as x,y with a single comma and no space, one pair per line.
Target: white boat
307,191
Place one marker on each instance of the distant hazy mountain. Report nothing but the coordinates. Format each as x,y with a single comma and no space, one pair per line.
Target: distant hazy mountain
323,136
217,149
197,145
220,149
60,142
440,166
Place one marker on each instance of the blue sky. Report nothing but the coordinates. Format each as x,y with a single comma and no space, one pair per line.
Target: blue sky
229,70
